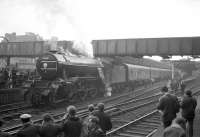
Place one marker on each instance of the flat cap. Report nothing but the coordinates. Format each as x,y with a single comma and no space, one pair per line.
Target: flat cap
25,116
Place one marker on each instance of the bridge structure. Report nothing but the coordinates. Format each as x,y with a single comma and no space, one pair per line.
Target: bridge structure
109,48
147,47
29,49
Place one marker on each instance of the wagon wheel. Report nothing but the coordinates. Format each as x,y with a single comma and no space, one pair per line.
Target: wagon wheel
83,94
93,92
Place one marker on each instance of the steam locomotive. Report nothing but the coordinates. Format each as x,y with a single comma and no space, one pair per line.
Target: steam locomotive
65,76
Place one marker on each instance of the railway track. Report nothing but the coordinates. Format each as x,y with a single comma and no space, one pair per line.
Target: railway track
144,126
12,111
81,113
113,109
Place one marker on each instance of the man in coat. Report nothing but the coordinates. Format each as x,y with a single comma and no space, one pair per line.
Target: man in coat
104,120
49,128
72,125
188,105
28,129
168,106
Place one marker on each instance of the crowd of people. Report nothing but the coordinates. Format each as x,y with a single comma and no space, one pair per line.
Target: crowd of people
96,124
169,105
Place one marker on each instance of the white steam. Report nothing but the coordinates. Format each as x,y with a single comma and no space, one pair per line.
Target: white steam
84,47
56,12
58,18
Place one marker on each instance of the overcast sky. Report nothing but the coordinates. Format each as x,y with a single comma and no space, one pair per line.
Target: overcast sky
101,19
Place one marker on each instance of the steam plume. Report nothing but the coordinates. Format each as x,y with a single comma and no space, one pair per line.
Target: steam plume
52,11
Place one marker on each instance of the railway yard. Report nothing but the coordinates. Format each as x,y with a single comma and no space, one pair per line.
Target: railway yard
132,113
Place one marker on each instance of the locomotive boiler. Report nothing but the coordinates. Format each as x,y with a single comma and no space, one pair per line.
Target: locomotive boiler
65,76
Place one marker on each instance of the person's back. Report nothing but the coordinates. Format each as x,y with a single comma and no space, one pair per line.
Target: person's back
188,106
104,119
72,126
49,128
169,106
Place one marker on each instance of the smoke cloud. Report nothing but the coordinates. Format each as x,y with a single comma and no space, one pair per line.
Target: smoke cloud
53,11
59,18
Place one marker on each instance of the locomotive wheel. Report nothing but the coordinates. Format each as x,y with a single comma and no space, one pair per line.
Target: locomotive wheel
93,92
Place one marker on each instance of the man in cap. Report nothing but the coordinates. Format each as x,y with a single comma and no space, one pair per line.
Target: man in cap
72,125
188,106
104,120
3,134
49,128
169,106
28,129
